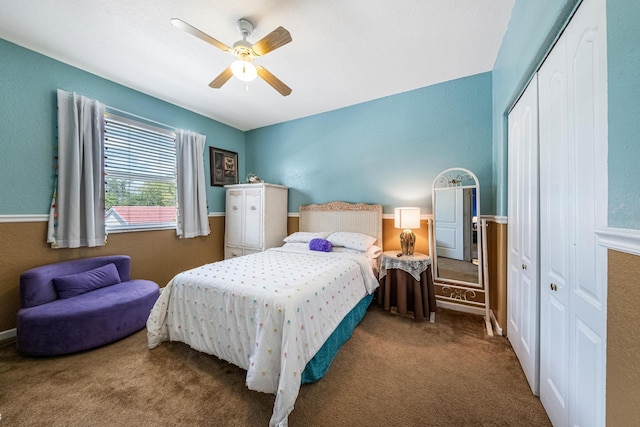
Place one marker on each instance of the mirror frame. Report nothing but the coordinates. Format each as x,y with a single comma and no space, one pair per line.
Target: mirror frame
449,179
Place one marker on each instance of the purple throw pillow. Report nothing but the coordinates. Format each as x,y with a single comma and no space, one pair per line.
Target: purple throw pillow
322,245
80,283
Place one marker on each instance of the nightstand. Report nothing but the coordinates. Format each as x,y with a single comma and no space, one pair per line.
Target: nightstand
406,283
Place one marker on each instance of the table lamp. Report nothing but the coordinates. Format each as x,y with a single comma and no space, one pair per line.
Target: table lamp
407,219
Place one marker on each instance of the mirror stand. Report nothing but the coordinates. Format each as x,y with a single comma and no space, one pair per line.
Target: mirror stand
458,244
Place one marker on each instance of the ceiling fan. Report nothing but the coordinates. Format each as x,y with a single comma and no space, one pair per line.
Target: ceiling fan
243,68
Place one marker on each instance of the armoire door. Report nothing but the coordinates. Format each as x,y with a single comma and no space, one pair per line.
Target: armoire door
522,280
234,217
573,122
253,206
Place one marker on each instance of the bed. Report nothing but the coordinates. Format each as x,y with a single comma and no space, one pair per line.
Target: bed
281,314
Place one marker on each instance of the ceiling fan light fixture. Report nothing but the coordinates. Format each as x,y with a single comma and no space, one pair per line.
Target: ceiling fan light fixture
244,70
245,53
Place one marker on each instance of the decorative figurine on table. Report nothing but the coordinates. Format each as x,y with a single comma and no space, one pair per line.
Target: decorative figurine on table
252,178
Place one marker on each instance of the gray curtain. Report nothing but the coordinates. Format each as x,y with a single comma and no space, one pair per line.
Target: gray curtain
76,217
193,218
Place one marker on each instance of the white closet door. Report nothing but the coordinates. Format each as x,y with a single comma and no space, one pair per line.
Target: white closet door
587,73
522,281
573,161
556,220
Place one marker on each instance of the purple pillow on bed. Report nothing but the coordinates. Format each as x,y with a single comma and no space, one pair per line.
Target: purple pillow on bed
80,283
322,245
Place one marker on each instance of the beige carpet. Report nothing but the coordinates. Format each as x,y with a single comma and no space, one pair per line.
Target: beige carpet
457,270
393,372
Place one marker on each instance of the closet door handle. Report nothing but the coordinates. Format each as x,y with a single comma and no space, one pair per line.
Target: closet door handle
524,266
553,287
253,208
235,208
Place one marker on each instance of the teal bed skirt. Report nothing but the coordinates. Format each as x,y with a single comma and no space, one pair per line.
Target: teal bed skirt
318,366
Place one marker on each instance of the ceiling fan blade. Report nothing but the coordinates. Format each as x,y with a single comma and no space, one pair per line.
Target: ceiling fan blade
275,39
275,82
179,23
222,78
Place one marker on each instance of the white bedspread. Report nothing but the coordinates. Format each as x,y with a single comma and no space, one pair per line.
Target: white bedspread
268,313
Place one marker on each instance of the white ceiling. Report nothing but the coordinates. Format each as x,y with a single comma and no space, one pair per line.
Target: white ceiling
343,52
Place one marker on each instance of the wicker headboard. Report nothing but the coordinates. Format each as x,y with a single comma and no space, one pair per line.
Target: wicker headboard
343,216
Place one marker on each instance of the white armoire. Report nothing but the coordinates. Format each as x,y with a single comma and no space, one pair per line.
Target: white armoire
255,218
566,274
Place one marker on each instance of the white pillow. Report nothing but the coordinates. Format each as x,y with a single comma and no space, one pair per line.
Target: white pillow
344,250
296,245
305,236
372,253
357,241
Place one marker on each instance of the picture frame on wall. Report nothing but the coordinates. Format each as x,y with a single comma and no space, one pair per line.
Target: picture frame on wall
224,167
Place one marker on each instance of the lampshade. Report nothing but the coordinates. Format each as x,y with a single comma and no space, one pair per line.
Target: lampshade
407,218
244,70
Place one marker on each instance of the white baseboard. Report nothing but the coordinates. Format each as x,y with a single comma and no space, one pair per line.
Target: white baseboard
8,334
459,307
496,325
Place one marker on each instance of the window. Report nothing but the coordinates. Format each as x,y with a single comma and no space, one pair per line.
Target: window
140,175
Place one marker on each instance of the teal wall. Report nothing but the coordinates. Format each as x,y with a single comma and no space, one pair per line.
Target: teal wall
531,31
28,117
385,151
623,43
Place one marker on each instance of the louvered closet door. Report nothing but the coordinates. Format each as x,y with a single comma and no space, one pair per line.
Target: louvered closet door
573,122
522,281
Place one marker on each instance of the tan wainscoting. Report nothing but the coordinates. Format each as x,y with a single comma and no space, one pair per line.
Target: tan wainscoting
159,255
293,224
155,255
497,259
623,339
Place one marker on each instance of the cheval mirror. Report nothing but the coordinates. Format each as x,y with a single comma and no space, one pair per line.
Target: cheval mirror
459,243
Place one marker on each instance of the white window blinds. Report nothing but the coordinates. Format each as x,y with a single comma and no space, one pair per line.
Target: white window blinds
140,175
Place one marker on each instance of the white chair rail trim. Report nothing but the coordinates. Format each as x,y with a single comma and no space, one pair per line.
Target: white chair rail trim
45,217
620,239
24,218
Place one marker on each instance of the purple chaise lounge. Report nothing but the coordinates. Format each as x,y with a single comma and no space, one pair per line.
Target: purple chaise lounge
77,305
